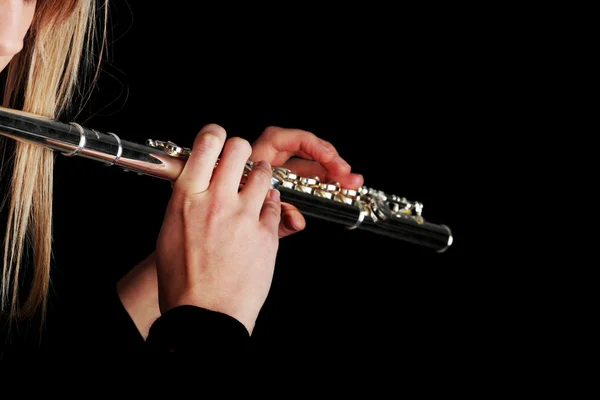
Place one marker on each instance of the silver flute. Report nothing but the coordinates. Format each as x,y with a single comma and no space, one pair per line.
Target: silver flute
365,209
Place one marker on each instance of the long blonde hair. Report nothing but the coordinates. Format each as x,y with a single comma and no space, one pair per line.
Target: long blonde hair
42,79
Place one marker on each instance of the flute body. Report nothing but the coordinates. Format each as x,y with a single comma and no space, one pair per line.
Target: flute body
365,209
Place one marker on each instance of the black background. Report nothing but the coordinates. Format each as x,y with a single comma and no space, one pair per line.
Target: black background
399,93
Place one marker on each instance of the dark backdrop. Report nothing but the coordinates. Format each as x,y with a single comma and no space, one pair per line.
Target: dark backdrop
396,94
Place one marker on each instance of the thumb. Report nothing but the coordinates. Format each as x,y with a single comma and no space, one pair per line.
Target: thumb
270,214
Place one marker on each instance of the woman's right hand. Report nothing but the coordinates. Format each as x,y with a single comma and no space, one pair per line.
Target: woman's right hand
217,246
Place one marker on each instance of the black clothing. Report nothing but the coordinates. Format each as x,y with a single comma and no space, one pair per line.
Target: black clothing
73,330
187,329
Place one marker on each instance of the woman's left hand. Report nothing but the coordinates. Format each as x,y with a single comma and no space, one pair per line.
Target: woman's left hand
314,157
138,290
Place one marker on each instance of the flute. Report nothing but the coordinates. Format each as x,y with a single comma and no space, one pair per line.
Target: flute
364,209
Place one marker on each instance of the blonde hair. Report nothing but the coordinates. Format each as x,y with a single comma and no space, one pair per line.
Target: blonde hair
42,78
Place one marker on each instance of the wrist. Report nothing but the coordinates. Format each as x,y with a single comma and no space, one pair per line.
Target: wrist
138,291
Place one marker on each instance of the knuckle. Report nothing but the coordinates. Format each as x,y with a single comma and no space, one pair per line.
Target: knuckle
262,172
215,129
187,205
309,135
215,209
238,142
328,145
208,210
187,208
271,130
180,198
209,141
241,144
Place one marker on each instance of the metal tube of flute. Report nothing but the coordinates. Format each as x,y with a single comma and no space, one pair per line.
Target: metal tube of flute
366,209
74,140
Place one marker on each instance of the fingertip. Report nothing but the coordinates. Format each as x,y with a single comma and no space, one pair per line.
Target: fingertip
358,180
292,222
274,195
295,220
349,181
271,211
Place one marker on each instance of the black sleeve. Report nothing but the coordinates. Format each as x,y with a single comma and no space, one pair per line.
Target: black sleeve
191,329
95,319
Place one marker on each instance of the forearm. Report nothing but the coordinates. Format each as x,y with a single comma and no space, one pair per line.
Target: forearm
138,291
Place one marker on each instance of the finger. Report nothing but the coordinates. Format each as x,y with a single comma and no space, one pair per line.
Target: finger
270,214
276,145
257,186
196,174
312,168
228,173
292,221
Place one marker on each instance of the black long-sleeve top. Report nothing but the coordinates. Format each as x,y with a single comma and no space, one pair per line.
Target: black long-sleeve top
193,329
184,329
99,326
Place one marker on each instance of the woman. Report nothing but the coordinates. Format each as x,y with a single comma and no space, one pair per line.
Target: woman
215,286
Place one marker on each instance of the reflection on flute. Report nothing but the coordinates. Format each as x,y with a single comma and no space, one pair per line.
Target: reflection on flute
366,208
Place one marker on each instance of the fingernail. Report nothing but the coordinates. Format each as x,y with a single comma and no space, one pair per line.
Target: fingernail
274,194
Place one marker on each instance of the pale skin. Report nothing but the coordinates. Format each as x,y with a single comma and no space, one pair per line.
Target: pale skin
217,246
15,20
138,290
